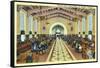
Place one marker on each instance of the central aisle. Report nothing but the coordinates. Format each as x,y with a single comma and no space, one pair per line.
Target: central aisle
59,52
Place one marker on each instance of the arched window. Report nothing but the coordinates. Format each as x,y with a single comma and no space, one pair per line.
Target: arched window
30,21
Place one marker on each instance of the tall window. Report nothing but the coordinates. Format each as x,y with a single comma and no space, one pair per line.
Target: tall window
83,24
21,21
30,21
90,22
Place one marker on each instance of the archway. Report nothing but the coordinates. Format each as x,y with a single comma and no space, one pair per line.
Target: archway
58,29
61,28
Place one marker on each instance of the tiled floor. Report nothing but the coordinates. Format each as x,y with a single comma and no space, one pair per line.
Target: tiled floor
59,52
78,56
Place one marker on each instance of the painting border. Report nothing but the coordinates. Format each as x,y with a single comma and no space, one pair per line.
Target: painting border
12,50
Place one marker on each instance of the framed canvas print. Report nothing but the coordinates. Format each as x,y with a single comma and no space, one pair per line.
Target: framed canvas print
53,33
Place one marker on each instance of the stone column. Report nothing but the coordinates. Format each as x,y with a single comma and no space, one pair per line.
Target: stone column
39,25
27,24
18,22
35,25
32,25
83,27
87,25
76,26
94,24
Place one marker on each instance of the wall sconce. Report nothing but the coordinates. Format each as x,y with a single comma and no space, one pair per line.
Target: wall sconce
83,35
30,35
79,35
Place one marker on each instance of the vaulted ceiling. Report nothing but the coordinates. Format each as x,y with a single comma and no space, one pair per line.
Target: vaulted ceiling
70,12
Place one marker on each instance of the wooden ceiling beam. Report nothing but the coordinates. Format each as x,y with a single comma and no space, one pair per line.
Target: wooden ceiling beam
56,11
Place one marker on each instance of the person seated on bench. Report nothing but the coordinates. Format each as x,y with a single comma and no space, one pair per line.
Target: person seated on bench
74,43
76,46
35,45
29,58
92,46
90,53
43,46
79,48
40,46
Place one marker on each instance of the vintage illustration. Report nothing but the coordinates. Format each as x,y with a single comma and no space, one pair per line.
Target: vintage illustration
47,33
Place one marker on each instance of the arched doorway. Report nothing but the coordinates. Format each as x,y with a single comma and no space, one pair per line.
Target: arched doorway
58,28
